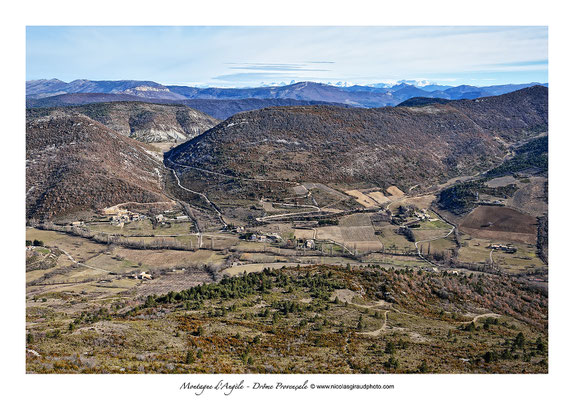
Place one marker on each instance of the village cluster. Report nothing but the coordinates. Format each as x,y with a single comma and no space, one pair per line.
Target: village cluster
119,216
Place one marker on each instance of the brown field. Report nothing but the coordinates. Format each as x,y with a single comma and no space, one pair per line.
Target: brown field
502,181
370,197
304,233
320,186
417,201
169,258
239,269
378,196
144,227
261,258
500,223
362,198
395,191
353,230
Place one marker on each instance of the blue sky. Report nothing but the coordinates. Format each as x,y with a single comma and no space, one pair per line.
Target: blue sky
251,56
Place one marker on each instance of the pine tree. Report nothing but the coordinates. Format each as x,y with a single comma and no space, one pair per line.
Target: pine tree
189,358
519,341
423,368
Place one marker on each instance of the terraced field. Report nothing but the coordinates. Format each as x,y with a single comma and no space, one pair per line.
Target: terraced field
354,231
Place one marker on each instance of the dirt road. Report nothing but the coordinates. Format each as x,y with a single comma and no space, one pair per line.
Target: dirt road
475,319
202,195
381,329
82,264
430,240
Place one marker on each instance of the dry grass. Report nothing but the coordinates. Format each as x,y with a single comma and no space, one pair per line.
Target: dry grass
502,181
419,202
353,231
321,336
362,198
395,191
169,258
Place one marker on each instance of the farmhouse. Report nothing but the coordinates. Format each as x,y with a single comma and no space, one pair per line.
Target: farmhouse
503,247
119,216
114,210
143,276
275,237
422,215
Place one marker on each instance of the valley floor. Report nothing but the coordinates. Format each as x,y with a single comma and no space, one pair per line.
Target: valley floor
353,294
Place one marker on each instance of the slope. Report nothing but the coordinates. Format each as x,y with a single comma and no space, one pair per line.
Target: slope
142,121
402,146
76,164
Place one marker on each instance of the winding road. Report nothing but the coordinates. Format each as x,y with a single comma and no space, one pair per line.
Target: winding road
433,239
202,195
475,319
381,329
82,264
231,176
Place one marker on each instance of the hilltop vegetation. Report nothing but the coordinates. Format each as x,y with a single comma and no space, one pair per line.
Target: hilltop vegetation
387,146
141,121
530,156
76,164
318,319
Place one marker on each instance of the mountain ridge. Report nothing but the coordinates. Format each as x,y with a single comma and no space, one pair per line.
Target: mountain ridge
146,122
400,146
75,164
217,108
356,95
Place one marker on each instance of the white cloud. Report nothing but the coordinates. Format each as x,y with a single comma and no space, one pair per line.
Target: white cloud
353,54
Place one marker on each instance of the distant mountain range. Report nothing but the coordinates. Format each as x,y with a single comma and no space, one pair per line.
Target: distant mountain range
216,108
51,87
377,95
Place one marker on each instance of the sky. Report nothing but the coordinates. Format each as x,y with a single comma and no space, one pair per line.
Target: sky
254,56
